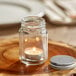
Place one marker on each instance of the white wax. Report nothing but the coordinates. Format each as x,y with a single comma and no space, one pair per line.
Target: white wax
33,53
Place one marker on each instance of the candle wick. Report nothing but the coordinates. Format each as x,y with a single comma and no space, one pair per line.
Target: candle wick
34,49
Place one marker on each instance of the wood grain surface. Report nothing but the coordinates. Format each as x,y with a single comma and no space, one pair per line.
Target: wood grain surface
10,64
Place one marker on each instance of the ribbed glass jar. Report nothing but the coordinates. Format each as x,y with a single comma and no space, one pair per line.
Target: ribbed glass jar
33,41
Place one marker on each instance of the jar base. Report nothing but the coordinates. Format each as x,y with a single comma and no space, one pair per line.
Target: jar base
27,62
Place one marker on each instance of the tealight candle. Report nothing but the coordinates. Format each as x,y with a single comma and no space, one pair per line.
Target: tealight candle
33,53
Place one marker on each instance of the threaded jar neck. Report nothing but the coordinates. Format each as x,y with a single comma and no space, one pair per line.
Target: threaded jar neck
33,22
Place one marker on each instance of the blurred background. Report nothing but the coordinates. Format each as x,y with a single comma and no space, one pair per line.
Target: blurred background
60,16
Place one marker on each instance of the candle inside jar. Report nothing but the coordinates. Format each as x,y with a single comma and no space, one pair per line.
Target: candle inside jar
33,53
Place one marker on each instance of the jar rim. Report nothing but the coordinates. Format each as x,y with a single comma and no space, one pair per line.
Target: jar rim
33,22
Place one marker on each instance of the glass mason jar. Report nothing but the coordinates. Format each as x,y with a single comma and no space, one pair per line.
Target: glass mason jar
33,41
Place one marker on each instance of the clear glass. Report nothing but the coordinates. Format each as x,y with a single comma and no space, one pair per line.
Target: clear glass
33,41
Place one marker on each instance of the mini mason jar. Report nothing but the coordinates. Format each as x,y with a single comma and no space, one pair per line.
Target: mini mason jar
33,41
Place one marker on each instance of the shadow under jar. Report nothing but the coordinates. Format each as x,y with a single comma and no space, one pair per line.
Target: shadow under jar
33,41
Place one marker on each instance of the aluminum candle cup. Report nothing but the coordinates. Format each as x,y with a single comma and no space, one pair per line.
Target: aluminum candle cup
33,53
33,41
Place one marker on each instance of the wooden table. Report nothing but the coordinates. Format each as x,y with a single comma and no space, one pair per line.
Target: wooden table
10,64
